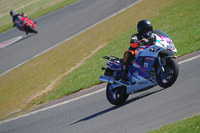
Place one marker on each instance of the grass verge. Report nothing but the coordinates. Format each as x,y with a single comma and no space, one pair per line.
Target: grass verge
34,9
33,77
189,125
172,20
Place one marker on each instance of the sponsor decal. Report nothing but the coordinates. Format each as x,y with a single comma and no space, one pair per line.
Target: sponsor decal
149,59
146,64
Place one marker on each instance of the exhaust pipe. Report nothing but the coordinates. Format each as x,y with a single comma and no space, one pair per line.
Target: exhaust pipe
111,80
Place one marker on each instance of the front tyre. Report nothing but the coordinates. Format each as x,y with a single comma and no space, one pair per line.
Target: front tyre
117,95
169,73
31,29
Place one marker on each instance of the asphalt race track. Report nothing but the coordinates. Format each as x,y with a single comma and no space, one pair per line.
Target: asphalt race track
91,113
56,27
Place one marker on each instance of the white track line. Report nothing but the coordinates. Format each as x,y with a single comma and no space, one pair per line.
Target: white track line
53,106
77,98
10,42
86,95
71,37
186,60
100,90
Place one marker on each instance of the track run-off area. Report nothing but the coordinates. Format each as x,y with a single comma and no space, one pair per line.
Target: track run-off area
143,112
91,112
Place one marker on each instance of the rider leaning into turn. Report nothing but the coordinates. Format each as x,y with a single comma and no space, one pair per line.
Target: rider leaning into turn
143,37
17,19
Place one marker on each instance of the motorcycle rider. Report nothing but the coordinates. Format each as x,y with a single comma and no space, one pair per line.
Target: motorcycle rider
143,37
17,19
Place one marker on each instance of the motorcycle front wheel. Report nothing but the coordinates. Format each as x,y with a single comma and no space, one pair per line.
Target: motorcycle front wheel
31,29
116,96
169,73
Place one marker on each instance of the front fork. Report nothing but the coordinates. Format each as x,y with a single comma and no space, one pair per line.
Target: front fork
160,68
163,62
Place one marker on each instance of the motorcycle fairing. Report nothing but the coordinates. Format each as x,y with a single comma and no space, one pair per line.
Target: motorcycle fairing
141,78
144,63
142,69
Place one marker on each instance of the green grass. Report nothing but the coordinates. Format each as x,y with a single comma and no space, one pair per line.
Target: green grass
87,74
189,125
175,20
52,8
34,9
181,21
19,85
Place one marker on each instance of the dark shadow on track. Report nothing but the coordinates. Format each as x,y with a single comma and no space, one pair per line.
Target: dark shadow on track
143,95
30,35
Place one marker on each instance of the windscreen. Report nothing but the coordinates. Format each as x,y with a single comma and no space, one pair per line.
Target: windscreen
161,33
167,38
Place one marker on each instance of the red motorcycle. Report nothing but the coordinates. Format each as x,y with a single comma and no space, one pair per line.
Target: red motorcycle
27,26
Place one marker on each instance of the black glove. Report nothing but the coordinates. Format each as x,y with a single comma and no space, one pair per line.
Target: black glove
152,39
148,41
144,41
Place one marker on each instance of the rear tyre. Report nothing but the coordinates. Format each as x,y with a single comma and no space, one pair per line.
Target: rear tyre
169,74
117,95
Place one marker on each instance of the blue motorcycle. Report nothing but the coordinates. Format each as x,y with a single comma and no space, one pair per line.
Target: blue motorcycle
154,65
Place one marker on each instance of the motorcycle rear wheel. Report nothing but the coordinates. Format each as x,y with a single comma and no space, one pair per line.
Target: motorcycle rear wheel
169,74
117,95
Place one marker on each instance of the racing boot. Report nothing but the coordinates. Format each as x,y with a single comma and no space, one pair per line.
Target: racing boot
124,73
